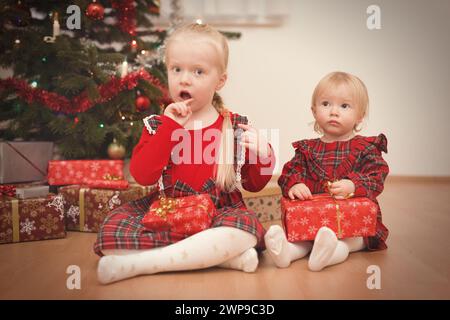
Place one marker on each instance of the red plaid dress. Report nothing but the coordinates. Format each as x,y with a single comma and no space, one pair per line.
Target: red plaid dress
358,159
122,228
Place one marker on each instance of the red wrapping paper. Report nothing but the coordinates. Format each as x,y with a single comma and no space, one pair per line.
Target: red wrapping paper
303,218
185,215
81,171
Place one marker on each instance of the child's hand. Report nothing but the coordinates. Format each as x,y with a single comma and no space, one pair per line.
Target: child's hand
179,111
301,191
255,142
342,188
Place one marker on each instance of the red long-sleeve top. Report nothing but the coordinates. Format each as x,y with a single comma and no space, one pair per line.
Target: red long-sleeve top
153,152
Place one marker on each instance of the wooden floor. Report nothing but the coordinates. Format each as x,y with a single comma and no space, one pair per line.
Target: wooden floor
416,265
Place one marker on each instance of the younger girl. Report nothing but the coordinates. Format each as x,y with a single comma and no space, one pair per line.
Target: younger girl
196,58
352,163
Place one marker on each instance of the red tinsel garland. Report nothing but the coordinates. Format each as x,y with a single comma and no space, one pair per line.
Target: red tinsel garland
126,14
82,103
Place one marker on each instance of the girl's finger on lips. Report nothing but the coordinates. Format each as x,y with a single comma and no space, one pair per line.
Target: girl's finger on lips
188,101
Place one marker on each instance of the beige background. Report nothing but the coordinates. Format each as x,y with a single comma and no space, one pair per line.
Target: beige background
405,66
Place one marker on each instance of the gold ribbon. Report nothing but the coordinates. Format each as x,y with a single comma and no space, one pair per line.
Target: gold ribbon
15,219
336,204
81,205
111,177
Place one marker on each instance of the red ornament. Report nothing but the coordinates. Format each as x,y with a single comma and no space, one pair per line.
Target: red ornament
142,103
95,11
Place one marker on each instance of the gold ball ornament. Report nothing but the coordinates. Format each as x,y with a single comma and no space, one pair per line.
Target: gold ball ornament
116,151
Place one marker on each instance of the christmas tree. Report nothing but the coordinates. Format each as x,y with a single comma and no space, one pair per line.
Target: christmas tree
84,73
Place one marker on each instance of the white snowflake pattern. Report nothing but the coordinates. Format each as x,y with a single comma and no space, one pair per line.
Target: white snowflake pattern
187,226
365,203
79,174
74,212
58,202
346,224
325,221
198,214
177,216
364,231
304,221
294,222
354,213
204,225
114,200
308,209
367,220
329,206
304,236
289,216
312,229
95,166
373,210
27,226
293,236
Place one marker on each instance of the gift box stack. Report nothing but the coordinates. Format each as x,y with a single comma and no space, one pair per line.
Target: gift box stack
27,210
90,189
351,217
85,191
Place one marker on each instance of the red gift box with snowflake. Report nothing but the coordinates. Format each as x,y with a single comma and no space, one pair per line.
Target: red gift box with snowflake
85,208
31,219
184,215
351,217
64,172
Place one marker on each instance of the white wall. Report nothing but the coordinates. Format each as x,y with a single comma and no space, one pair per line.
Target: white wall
405,66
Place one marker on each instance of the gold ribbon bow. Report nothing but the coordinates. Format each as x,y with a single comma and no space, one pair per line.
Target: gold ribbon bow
166,205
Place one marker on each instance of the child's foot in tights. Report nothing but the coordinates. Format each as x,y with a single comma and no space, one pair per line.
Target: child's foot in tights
281,250
325,244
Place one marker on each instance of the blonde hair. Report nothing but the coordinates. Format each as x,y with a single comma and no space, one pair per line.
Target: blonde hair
357,87
225,173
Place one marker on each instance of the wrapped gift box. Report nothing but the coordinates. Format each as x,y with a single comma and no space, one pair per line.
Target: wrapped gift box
24,161
86,208
66,172
31,219
348,218
32,192
185,215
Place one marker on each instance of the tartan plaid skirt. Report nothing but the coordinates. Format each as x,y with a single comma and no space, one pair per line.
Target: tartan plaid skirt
122,228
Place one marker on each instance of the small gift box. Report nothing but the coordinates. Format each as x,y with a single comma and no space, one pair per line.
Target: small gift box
351,217
24,161
185,215
85,208
31,219
32,192
82,171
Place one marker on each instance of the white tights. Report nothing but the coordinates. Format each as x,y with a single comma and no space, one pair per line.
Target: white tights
326,250
225,247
